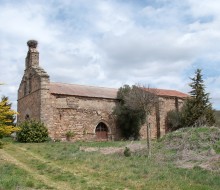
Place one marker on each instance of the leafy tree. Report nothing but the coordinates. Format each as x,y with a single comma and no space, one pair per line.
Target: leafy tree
136,103
128,120
32,131
6,118
144,99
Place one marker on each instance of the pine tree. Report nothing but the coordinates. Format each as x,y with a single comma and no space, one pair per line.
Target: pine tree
198,109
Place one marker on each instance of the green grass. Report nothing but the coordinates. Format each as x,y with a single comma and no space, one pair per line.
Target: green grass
13,177
57,165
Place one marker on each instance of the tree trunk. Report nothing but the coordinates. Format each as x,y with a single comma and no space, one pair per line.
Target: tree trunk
148,141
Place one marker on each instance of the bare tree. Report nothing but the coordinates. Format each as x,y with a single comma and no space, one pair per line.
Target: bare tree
143,98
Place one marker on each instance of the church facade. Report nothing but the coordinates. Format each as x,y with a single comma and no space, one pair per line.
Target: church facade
77,112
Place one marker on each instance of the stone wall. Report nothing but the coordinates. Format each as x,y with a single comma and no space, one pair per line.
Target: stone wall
46,110
29,96
168,104
81,115
158,116
28,107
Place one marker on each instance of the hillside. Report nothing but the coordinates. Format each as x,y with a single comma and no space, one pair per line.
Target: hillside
192,147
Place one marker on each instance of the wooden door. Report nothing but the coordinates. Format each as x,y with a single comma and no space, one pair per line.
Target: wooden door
101,132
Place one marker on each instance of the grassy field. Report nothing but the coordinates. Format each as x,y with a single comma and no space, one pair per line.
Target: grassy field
64,166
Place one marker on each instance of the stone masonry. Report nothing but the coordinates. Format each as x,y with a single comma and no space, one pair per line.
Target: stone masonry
85,112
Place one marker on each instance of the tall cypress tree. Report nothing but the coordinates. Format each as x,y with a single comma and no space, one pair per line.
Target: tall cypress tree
198,109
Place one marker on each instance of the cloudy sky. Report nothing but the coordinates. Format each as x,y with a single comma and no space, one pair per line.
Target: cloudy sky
113,42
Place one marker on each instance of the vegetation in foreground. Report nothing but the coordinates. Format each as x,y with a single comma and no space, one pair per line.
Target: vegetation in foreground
56,165
32,132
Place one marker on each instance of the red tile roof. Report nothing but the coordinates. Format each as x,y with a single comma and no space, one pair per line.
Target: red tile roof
168,93
102,92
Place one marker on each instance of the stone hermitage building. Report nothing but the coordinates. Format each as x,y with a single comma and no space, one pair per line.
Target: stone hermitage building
83,112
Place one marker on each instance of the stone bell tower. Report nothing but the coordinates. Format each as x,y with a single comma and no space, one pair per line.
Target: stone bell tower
33,92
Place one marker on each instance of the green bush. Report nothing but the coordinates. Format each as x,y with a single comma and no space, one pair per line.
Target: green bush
174,120
127,152
69,135
32,131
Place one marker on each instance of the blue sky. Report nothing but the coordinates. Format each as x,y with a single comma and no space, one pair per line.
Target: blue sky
113,42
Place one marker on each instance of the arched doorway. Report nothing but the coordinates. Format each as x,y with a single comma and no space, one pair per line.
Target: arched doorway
101,131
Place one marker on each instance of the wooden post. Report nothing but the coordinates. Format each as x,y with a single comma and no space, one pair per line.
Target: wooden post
148,139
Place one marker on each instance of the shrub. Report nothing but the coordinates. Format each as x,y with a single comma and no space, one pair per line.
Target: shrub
32,131
127,152
174,120
69,135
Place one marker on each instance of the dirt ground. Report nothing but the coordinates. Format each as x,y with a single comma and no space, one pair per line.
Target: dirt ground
134,147
208,160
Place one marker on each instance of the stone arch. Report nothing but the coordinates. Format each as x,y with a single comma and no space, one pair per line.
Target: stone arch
102,131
